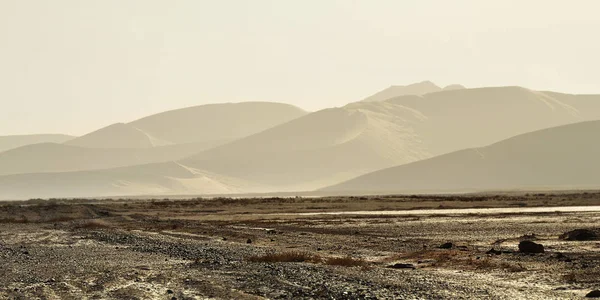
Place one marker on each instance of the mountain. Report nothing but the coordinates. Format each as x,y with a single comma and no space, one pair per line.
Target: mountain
339,143
323,147
564,157
467,118
333,145
217,122
15,141
52,157
153,179
316,150
120,136
420,88
212,123
453,87
188,130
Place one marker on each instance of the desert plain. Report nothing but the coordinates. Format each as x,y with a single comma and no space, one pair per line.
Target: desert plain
371,247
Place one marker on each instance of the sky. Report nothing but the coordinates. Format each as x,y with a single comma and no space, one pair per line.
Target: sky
72,66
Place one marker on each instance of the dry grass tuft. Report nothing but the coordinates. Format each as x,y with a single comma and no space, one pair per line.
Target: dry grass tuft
440,257
94,224
14,221
291,256
495,264
582,276
302,256
461,260
345,262
60,219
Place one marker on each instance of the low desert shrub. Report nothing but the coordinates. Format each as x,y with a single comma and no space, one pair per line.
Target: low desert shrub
582,276
94,224
346,261
290,256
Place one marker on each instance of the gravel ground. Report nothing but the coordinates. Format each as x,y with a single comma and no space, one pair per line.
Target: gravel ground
104,254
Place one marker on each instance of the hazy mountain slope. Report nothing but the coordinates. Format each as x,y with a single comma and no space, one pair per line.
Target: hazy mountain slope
117,136
332,144
50,157
560,157
153,179
588,106
420,88
212,123
189,130
215,122
466,118
320,148
15,141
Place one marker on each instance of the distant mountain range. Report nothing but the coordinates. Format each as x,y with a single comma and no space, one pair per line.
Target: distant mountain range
272,147
415,89
167,136
200,124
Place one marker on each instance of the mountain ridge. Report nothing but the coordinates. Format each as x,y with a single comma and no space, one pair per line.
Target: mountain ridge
559,157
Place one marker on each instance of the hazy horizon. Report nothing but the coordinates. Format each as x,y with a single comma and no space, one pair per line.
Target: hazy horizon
72,67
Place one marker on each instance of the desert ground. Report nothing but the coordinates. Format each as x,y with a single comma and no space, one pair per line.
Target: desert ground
387,247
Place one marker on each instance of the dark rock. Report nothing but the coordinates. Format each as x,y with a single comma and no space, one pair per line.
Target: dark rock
169,291
494,252
446,246
593,294
530,247
249,241
402,266
581,235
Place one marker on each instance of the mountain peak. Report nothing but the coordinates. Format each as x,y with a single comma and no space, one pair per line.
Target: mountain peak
419,88
453,87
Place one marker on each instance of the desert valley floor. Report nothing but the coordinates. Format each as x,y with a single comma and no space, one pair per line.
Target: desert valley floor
392,247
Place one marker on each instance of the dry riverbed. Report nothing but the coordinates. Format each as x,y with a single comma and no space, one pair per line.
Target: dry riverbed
285,248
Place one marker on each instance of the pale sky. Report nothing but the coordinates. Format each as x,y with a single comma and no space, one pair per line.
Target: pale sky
73,66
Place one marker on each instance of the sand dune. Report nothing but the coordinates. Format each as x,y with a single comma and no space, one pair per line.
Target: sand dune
15,141
152,179
563,157
51,157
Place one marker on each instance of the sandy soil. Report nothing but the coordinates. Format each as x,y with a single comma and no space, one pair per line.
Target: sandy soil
218,249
